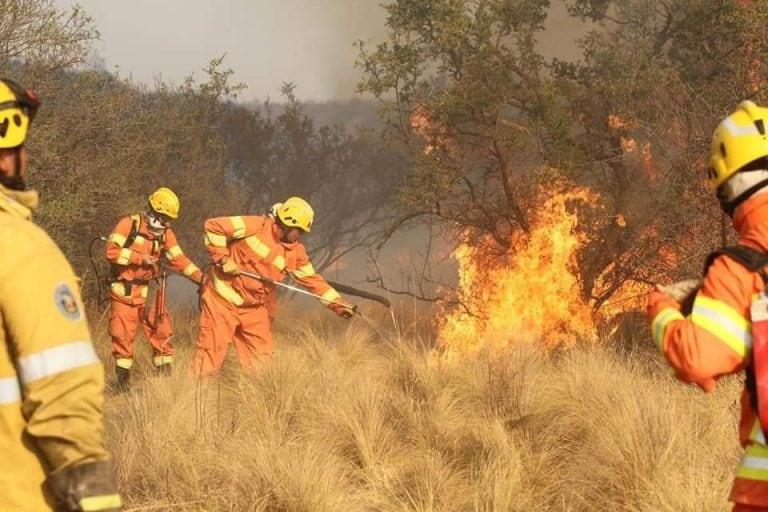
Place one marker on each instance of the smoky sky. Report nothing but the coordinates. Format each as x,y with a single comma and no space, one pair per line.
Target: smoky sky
266,42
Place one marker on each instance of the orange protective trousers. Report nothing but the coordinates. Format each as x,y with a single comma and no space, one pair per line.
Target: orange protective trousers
738,507
124,320
248,328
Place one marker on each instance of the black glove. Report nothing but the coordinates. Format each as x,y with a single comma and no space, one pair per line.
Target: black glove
86,487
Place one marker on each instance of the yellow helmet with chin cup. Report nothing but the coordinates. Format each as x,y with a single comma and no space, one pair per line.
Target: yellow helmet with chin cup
165,202
18,107
739,140
296,212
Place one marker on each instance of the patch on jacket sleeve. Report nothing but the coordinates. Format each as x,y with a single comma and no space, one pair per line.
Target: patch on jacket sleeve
66,303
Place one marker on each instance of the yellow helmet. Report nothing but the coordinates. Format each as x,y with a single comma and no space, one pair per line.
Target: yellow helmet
17,110
165,202
739,139
296,212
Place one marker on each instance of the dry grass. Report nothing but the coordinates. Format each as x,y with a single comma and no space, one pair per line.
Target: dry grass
358,418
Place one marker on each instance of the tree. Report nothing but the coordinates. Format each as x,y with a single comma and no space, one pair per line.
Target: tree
666,73
101,145
347,177
43,36
490,123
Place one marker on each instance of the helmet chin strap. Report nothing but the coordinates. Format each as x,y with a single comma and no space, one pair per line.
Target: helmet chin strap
729,207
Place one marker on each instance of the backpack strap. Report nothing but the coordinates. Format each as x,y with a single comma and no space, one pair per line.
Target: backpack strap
132,234
135,222
755,261
751,259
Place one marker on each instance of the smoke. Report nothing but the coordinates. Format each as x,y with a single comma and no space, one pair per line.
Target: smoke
329,30
266,43
561,34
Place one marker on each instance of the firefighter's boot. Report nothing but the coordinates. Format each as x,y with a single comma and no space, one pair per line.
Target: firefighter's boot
123,379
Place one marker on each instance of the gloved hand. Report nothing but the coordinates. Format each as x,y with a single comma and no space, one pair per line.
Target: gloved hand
85,487
680,290
344,309
229,266
683,292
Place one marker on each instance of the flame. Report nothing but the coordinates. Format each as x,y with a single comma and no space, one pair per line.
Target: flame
649,166
423,124
531,295
616,122
628,145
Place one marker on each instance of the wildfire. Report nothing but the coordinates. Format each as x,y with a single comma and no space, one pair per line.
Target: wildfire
628,144
531,296
649,166
615,122
423,124
532,293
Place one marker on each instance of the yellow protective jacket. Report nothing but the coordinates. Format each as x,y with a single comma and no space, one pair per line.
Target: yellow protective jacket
51,380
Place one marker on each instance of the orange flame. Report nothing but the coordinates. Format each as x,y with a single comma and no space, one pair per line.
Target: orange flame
628,144
533,296
649,166
616,122
423,124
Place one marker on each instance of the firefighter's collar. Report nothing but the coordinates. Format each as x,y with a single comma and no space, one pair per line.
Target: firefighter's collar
751,212
19,202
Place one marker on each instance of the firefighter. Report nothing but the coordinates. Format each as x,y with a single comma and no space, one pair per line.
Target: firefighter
239,308
716,338
51,381
136,248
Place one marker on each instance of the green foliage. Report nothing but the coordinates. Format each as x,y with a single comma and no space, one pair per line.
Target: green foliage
348,177
102,143
488,120
44,36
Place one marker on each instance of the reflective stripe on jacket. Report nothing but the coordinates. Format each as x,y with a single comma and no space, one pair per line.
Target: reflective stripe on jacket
716,340
51,381
126,251
252,242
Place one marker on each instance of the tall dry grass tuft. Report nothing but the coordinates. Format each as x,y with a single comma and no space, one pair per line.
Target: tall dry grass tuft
354,417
